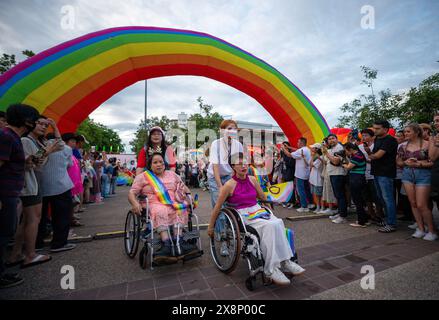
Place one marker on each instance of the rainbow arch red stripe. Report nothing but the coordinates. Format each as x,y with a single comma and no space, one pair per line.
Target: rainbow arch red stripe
69,81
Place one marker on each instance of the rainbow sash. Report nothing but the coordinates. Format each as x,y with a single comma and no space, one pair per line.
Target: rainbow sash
161,192
258,214
290,237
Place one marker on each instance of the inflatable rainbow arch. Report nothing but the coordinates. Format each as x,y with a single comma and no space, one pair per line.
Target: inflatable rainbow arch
69,81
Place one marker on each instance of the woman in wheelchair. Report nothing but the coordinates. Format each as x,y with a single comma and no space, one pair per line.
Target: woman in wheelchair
165,211
241,193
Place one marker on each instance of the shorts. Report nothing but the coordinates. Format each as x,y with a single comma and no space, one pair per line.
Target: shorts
317,190
28,201
416,176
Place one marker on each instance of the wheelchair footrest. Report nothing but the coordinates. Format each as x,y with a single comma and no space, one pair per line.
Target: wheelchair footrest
189,235
193,256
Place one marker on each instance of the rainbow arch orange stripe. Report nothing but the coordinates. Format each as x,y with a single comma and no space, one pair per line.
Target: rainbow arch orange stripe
69,81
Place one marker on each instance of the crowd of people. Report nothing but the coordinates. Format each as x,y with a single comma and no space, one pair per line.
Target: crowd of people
374,174
46,179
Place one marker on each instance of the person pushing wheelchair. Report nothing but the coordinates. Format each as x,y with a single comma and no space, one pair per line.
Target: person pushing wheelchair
241,193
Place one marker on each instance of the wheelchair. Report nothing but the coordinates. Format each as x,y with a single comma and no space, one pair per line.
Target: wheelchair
242,240
140,229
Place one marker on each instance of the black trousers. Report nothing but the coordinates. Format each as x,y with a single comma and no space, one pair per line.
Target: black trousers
358,184
8,225
61,206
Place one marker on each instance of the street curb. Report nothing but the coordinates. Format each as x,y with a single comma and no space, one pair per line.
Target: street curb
308,217
120,234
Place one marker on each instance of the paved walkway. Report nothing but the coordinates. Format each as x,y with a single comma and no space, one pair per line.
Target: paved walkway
332,254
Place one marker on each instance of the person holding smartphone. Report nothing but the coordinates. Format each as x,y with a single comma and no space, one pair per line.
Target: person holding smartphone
416,177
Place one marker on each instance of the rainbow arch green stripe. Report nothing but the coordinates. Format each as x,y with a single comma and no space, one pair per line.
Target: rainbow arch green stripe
69,81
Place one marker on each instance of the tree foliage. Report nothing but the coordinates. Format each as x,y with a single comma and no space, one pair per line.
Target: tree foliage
100,136
417,105
205,119
8,61
420,103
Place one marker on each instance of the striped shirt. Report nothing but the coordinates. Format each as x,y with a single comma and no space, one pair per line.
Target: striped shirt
55,179
12,170
360,163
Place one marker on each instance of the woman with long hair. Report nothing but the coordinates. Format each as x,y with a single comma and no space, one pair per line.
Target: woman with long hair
156,144
416,177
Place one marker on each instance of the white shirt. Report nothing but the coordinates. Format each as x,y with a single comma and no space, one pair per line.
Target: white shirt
302,167
219,154
330,168
368,165
315,177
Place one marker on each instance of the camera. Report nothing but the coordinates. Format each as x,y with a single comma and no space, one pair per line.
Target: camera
342,155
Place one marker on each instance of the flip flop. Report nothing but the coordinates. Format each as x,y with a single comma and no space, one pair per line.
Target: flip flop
15,263
36,261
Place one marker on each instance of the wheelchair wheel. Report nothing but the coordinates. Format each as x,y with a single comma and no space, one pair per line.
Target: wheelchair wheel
226,235
132,234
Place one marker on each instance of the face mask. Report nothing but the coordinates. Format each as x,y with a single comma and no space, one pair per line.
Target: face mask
231,134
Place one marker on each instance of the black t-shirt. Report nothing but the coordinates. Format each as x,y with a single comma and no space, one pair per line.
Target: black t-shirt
435,180
386,166
12,170
289,166
115,171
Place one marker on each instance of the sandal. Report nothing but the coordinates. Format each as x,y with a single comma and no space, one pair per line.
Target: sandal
15,263
36,261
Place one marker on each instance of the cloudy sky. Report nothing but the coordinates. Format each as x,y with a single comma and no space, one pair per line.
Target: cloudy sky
318,44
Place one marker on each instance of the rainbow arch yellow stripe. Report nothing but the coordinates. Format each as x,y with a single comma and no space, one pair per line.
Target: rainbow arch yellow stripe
69,81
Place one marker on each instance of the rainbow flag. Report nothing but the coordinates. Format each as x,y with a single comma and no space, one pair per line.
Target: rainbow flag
281,192
290,237
161,192
258,214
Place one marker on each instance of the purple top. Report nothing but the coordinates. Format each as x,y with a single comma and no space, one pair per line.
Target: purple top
244,195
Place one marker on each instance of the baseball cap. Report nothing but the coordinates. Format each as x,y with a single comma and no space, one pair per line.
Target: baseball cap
316,145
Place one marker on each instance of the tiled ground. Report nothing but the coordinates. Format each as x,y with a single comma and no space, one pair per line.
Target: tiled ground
327,266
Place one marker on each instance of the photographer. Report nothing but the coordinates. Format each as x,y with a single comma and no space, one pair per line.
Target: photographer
333,158
288,168
356,165
35,150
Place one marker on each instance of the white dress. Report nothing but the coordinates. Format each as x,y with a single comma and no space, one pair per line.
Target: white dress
274,244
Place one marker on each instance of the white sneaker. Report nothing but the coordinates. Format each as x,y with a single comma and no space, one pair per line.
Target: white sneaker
340,220
311,206
335,216
290,206
279,278
418,234
430,237
224,249
303,210
413,226
290,267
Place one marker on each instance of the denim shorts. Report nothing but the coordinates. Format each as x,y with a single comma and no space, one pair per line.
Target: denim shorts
416,176
317,190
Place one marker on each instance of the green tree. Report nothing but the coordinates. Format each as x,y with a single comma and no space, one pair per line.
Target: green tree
205,119
100,136
421,103
8,61
364,110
